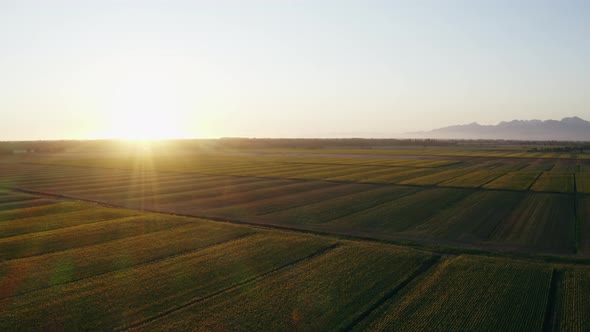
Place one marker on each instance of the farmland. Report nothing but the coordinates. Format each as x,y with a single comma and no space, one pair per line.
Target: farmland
295,240
178,273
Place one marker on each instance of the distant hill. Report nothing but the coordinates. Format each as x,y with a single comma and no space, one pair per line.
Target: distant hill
568,129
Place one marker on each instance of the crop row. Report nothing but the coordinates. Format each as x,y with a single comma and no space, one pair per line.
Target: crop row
326,210
514,181
69,265
328,292
43,271
555,182
122,298
542,221
469,294
574,302
492,175
398,215
282,202
470,220
39,243
49,222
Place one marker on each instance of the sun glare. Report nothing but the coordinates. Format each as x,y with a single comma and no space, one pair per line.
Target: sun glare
143,125
144,105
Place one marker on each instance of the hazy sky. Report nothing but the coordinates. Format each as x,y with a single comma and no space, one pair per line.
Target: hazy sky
92,69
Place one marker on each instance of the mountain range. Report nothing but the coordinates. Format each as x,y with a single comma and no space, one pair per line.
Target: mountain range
567,129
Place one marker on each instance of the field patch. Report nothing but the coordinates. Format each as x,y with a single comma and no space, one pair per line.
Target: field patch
38,211
325,293
473,179
514,181
363,176
399,214
327,210
119,299
538,167
399,175
24,275
583,183
283,202
14,197
574,302
542,221
583,223
16,227
39,243
472,219
438,177
555,182
26,204
469,294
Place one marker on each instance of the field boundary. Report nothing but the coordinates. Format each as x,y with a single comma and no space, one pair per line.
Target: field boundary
424,267
535,181
481,186
551,320
426,246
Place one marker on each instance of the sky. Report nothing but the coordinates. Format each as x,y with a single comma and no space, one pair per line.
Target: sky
286,68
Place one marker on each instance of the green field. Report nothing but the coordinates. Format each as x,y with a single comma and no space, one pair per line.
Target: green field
514,181
178,273
555,182
435,240
472,294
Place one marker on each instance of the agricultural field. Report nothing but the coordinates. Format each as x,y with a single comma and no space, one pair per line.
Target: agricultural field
514,181
468,293
463,202
470,220
543,221
309,241
555,182
64,270
572,300
583,224
583,182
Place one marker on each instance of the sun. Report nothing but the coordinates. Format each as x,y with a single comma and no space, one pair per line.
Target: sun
144,108
143,124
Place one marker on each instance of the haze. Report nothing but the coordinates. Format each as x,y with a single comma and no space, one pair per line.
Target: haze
163,69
